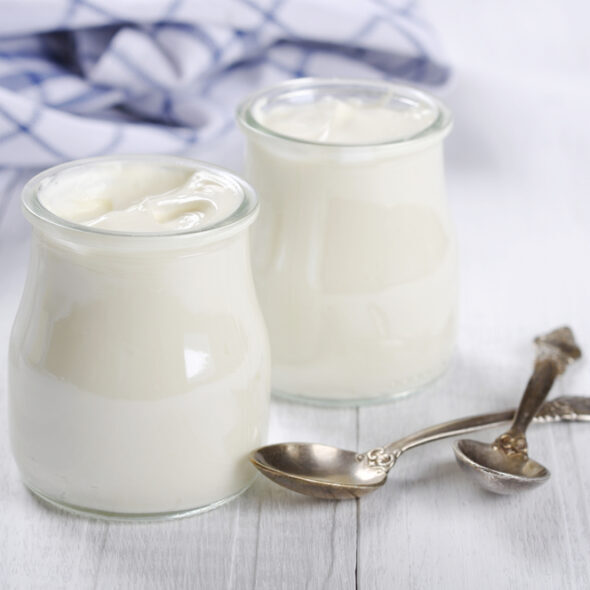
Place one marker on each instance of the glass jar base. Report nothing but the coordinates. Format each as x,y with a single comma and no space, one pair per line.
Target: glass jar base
364,401
132,517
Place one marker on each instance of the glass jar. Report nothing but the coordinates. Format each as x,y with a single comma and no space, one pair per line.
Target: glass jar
139,363
354,253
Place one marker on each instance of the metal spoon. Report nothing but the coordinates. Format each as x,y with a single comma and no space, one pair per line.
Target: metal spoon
336,474
504,466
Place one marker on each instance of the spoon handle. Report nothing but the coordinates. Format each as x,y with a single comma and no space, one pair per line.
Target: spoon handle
561,409
539,385
555,351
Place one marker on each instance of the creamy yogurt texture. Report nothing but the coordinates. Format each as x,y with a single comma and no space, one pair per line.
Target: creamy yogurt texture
140,197
351,121
354,252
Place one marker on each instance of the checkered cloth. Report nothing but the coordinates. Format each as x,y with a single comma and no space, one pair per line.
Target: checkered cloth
82,78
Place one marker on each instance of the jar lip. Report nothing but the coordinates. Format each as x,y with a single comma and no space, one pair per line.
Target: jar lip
241,217
437,129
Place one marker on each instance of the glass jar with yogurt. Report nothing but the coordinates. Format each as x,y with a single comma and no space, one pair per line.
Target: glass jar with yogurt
139,362
354,252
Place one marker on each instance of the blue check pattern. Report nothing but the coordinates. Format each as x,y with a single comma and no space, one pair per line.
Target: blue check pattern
82,78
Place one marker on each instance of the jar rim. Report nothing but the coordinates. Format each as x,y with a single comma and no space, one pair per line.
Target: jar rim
438,128
241,217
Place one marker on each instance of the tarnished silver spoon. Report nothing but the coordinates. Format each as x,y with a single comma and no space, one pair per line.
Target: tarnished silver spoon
328,472
504,466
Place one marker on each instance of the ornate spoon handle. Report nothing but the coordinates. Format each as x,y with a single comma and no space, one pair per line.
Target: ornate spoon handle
561,409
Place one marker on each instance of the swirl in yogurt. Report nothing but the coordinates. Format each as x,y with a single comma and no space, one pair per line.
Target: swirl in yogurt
140,198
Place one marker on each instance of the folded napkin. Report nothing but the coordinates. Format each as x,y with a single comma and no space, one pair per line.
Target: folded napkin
82,78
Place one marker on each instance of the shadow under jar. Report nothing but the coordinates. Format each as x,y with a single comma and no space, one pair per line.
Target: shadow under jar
354,253
139,362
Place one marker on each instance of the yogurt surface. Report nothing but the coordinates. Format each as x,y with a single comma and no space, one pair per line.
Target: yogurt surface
347,121
140,197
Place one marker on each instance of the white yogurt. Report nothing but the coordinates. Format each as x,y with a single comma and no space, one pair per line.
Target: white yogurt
138,197
354,252
139,364
346,121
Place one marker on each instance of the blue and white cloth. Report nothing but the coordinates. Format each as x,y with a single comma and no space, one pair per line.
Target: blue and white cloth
82,78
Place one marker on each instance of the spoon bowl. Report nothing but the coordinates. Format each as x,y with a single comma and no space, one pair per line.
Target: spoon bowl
504,466
318,470
497,472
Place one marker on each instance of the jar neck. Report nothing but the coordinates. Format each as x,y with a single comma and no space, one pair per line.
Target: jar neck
111,259
85,242
328,153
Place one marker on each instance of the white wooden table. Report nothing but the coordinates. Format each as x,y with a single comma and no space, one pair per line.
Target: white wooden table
519,179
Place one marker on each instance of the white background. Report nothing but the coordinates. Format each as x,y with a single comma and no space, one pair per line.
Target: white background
519,183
